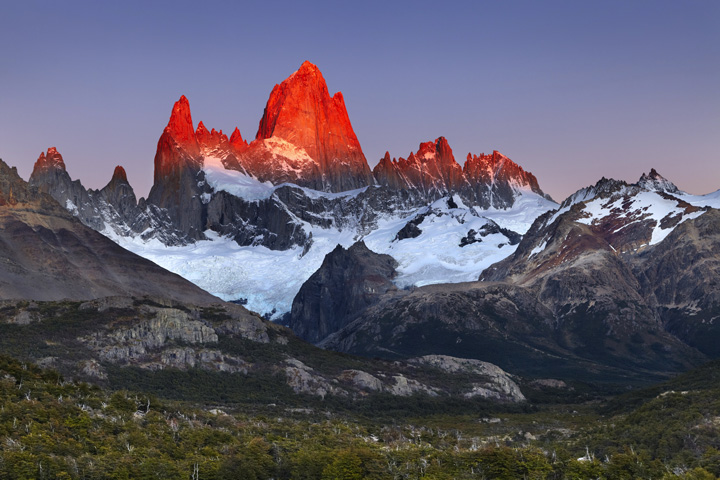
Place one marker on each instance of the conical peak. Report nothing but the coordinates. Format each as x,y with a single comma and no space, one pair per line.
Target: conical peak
236,137
119,175
180,125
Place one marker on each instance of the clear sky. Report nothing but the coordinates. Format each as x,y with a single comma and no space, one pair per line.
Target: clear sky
570,90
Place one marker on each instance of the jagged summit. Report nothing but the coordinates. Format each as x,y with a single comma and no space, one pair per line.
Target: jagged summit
50,161
656,182
432,170
180,125
486,180
237,141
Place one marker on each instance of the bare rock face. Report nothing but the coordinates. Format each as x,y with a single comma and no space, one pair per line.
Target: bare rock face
493,180
432,172
346,283
362,380
169,338
655,181
305,137
183,358
50,176
177,170
404,387
303,379
680,277
135,342
120,195
497,383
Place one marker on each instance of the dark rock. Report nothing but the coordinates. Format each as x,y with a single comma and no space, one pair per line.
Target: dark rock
347,282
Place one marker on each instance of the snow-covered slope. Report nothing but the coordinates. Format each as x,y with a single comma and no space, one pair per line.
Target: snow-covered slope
269,279
629,217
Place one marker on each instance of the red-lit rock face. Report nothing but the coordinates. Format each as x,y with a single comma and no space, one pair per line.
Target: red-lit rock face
178,146
51,160
237,142
119,175
485,180
180,125
305,137
497,168
432,168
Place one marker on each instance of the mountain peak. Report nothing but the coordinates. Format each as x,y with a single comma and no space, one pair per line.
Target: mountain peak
432,169
236,140
180,125
119,175
655,181
178,146
301,112
308,67
49,161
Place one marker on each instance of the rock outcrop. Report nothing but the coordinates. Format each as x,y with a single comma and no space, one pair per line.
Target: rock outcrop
347,282
496,383
303,379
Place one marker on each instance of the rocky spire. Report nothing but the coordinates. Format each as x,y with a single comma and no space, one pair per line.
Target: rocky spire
236,140
50,161
301,112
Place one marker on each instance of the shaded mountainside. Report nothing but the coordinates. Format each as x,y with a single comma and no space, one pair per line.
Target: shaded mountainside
614,284
347,282
49,255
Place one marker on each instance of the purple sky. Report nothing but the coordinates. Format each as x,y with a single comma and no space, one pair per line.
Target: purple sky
570,90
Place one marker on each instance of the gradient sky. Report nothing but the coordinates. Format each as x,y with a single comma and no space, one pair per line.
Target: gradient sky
570,90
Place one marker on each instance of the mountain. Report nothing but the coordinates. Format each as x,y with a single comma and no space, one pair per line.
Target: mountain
346,282
298,190
432,171
488,181
48,254
74,300
610,284
305,137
